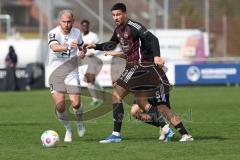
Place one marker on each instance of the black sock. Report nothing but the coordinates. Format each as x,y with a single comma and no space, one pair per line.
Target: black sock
118,114
181,129
156,119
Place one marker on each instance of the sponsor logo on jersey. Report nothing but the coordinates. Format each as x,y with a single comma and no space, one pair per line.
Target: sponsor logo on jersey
52,36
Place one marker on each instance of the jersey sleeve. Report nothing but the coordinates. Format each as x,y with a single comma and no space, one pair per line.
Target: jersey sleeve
149,42
52,38
80,40
114,38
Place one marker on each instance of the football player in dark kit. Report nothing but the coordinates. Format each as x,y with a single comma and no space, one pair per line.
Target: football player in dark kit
141,50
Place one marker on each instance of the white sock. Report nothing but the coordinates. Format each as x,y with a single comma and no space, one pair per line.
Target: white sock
97,85
63,118
116,133
78,113
166,128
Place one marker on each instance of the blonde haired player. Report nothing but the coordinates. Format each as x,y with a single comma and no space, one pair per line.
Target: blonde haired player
64,50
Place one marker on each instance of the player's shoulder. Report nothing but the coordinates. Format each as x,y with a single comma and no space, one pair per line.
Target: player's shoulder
134,24
92,34
55,30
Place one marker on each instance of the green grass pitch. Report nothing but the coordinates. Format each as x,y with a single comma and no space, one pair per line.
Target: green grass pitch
211,114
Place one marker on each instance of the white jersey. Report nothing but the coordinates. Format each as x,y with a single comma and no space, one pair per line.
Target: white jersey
55,36
91,38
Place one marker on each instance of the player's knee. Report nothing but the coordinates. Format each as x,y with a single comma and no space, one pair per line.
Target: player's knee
75,104
134,110
175,120
116,98
60,107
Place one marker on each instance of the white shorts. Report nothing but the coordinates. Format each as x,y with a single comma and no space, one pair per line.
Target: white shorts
65,78
70,85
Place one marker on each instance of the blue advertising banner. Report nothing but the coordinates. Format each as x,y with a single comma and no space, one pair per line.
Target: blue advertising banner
199,74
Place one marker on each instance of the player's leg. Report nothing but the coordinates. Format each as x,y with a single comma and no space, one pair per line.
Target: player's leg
139,114
163,104
92,86
176,122
94,67
118,113
156,119
72,83
59,101
78,110
120,90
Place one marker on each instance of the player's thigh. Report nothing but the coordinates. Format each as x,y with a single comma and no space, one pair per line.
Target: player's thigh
90,77
57,85
118,93
143,103
135,110
160,100
72,83
117,68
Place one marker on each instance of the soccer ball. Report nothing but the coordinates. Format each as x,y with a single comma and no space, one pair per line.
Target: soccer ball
50,138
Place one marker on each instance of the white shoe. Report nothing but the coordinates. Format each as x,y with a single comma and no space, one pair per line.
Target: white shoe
68,136
186,137
162,134
96,103
81,129
166,133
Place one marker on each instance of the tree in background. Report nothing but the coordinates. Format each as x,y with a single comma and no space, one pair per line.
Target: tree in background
231,10
186,16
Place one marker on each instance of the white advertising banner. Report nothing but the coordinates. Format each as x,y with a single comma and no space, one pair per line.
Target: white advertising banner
180,45
27,50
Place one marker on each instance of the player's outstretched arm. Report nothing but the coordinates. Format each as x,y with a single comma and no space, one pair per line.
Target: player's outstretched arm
88,46
115,54
159,61
56,47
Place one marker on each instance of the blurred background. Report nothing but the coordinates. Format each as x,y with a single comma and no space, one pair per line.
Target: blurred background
199,39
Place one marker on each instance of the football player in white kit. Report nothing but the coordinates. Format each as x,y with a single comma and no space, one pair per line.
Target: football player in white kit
94,63
65,43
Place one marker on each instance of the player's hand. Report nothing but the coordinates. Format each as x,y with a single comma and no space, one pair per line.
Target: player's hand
113,53
159,61
73,44
89,46
81,53
109,53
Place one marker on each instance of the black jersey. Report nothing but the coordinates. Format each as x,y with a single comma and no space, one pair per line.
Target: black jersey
138,44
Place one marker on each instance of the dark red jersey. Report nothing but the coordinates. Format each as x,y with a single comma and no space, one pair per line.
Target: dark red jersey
137,43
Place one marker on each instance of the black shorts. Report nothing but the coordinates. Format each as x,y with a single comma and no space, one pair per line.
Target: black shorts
160,100
144,80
